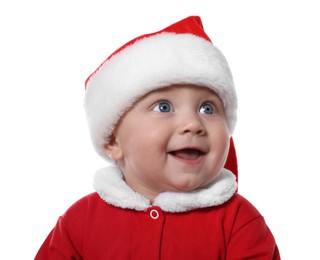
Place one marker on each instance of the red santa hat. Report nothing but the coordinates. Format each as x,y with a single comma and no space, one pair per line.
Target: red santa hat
179,54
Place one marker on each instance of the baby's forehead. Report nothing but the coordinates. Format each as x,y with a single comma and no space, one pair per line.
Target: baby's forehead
176,87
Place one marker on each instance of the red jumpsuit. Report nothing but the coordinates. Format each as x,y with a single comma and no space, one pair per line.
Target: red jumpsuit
94,229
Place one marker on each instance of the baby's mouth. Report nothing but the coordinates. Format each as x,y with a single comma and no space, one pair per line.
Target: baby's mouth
187,154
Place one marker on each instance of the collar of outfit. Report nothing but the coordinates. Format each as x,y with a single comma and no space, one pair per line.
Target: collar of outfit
111,187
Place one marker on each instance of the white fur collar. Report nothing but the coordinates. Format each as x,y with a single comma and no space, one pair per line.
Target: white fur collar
112,188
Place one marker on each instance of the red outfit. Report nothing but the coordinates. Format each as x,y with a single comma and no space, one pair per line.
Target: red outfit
92,229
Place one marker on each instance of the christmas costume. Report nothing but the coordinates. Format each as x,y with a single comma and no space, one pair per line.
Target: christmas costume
117,223
213,222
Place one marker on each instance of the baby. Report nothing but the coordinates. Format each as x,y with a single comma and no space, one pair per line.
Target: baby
162,109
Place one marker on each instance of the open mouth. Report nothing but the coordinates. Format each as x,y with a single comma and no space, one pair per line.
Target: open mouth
187,154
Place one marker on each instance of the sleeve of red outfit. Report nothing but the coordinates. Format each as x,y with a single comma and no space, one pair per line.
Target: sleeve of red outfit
65,240
60,244
251,237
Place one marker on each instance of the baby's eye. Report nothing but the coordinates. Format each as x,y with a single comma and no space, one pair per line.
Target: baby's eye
163,107
206,108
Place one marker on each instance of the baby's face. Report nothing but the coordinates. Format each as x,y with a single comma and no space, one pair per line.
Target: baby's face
173,139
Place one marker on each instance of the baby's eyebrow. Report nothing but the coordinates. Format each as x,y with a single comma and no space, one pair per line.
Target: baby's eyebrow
157,96
215,97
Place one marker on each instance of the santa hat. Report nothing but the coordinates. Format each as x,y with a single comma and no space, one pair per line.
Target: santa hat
179,54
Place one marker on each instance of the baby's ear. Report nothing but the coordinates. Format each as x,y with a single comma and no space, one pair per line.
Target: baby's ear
113,149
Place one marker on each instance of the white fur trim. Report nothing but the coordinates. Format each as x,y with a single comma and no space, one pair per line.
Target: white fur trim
151,63
112,188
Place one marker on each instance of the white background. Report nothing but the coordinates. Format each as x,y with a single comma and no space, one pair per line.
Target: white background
48,48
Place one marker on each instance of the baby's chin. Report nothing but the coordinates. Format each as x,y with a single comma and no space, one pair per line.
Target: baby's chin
190,185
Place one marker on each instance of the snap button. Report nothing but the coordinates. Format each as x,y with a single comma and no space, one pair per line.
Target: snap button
154,214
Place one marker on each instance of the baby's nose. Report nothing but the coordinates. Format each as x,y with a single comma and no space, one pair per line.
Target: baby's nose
193,125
